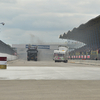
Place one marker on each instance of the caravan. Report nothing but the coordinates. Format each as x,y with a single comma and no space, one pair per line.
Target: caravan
61,55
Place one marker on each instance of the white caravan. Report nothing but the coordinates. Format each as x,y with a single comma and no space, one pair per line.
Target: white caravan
61,55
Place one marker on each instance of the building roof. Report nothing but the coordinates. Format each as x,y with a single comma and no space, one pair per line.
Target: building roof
88,33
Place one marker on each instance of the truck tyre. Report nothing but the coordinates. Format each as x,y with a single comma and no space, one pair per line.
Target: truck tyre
35,59
65,61
28,60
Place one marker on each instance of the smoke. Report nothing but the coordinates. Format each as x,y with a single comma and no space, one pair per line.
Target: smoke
43,55
35,40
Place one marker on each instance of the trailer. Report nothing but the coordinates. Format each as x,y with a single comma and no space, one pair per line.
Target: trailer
61,55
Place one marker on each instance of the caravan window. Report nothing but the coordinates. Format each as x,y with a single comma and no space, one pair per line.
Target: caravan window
60,55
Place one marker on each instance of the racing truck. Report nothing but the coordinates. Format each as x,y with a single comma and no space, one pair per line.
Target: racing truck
32,54
61,55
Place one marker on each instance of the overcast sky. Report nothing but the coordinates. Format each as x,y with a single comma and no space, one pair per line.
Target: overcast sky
29,21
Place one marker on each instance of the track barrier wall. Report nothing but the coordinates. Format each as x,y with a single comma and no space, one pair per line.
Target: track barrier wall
7,51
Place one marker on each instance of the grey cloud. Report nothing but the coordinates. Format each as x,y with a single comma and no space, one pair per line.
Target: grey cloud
49,23
48,17
8,1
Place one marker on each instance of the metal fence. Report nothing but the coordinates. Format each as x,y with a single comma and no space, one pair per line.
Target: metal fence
4,48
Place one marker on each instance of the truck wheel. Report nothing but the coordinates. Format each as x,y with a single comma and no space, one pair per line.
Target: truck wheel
65,61
28,60
35,59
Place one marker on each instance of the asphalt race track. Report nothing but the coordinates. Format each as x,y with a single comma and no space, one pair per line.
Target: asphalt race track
50,73
42,80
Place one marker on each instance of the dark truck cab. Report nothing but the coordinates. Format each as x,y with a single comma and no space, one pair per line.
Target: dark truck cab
32,54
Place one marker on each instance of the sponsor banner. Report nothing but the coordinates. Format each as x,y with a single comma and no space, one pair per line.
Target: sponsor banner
84,56
94,52
81,56
3,62
69,57
3,58
88,56
32,46
76,56
39,46
43,46
73,56
3,66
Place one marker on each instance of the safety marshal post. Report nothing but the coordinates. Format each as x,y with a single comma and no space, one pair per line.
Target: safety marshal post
3,62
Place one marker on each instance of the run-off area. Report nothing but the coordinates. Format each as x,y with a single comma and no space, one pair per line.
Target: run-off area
50,73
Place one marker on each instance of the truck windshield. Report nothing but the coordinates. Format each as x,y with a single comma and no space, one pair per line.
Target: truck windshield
32,51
